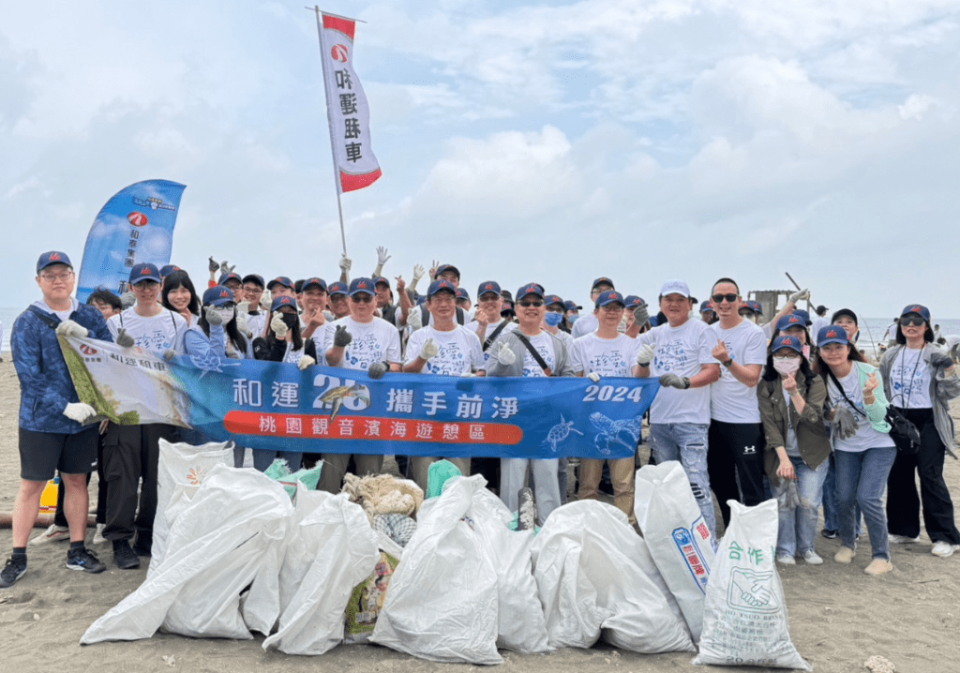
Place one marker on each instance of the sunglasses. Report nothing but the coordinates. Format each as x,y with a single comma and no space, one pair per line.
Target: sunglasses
534,304
912,320
361,299
730,297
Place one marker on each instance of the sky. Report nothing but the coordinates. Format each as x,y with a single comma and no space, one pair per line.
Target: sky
549,142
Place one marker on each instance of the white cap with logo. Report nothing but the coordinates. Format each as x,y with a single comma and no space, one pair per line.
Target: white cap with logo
675,287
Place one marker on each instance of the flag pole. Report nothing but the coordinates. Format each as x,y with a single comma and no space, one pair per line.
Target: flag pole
333,151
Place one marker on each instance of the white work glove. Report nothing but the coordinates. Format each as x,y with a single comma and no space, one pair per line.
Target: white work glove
79,411
123,339
71,328
127,299
418,272
799,296
645,355
169,354
266,299
226,268
212,315
429,350
305,361
504,355
242,309
345,263
468,375
279,327
414,319
382,255
593,376
674,381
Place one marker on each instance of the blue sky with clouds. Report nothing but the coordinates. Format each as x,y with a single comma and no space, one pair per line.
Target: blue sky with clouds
553,142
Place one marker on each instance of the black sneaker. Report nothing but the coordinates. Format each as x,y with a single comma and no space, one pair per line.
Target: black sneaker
124,556
11,572
829,534
86,560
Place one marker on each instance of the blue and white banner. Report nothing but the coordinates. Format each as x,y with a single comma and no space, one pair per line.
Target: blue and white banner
271,405
134,226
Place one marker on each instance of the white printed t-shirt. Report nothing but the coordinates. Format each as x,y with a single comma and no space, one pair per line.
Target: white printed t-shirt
585,325
682,351
374,341
730,400
543,344
155,334
473,326
459,351
910,380
607,357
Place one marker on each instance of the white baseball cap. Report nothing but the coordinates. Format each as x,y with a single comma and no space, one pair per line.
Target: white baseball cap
675,287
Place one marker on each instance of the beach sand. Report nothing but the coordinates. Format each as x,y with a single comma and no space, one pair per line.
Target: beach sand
838,615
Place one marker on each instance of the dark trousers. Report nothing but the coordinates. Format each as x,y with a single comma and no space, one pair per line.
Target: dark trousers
735,464
60,518
903,505
130,454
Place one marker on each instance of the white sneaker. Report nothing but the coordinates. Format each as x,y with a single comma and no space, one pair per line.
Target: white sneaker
98,537
902,539
812,558
54,533
944,549
786,560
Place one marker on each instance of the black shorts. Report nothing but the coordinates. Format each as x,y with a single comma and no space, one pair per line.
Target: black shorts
41,453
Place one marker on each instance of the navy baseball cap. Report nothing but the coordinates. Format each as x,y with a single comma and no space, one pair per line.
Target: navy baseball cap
285,300
552,299
439,286
530,288
844,312
314,282
751,305
602,280
633,301
218,295
338,287
51,258
443,268
361,286
610,297
831,334
488,286
792,320
805,315
380,280
230,276
280,280
706,306
254,278
506,295
167,269
787,341
571,305
916,308
462,294
144,271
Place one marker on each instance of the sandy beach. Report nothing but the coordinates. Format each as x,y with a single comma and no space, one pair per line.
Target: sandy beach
838,615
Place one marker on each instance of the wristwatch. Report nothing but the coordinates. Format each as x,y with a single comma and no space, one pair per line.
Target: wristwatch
727,363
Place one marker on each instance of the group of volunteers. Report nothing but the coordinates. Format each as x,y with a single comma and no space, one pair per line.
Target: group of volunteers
751,410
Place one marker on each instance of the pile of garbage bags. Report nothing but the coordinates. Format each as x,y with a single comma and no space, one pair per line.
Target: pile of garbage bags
444,578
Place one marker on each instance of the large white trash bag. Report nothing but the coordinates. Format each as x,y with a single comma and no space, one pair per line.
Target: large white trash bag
220,540
185,466
676,535
521,623
442,600
587,563
745,618
338,550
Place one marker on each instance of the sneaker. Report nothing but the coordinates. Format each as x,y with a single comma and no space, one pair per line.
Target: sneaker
878,566
812,557
86,560
845,555
98,537
11,572
902,539
944,549
124,556
829,534
54,533
786,560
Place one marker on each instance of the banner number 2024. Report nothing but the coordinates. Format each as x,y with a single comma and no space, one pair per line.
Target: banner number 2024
613,394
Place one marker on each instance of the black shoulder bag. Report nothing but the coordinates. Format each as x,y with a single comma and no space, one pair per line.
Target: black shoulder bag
903,433
533,351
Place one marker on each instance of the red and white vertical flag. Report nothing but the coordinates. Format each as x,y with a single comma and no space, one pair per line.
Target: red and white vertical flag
347,107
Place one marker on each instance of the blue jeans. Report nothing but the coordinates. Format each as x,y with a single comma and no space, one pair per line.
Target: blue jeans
687,442
830,520
798,526
861,480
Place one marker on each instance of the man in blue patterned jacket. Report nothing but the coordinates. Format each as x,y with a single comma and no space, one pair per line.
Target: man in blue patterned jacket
52,436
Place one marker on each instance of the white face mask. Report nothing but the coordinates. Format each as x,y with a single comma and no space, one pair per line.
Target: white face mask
786,366
226,314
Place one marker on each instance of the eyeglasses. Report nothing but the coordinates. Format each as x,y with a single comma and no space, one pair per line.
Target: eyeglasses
730,297
51,277
534,304
361,298
912,320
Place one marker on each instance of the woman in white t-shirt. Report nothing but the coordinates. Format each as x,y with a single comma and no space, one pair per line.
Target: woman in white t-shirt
863,450
920,380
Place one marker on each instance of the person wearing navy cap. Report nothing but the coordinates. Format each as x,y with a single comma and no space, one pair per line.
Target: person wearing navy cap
359,342
448,272
235,282
589,323
338,300
388,310
281,286
417,319
488,324
51,432
571,313
750,310
920,379
683,361
707,314
791,397
132,452
314,302
553,319
794,325
862,447
513,355
463,302
167,269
